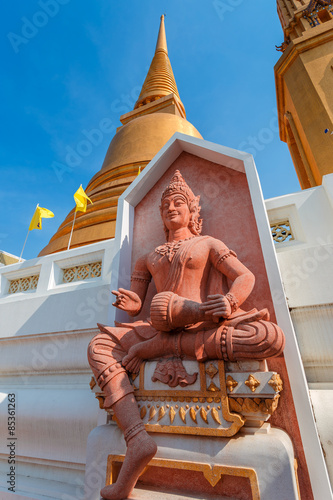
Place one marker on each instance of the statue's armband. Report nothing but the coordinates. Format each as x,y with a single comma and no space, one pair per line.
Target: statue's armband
141,276
219,256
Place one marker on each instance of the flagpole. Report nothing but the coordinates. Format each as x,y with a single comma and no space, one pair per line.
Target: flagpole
27,235
24,245
70,238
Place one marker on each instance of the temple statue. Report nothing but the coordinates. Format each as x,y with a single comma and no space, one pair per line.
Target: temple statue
196,314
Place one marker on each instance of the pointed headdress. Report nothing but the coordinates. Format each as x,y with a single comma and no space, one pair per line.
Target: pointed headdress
178,185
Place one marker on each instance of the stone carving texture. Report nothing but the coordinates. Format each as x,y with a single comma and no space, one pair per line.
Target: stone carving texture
186,322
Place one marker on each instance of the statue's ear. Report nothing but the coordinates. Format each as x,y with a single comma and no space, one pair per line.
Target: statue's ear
195,204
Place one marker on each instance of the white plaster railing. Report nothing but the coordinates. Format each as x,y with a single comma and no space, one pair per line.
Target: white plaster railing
309,216
281,231
55,305
85,266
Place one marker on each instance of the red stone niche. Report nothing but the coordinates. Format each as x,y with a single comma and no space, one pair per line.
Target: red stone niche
193,482
227,213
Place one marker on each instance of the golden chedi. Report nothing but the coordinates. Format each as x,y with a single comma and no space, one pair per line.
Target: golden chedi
157,115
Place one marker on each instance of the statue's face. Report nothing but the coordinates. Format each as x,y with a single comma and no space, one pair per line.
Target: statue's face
175,211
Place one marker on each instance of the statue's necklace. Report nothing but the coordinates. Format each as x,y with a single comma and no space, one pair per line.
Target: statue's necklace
169,249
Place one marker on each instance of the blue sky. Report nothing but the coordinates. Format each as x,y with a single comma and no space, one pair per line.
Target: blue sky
69,64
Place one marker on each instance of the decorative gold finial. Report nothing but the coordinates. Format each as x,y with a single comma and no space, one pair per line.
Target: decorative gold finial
160,80
161,39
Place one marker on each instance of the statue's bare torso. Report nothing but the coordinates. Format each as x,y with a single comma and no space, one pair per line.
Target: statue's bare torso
196,269
204,253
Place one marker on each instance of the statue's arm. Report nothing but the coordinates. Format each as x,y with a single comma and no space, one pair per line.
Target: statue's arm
132,300
241,277
226,262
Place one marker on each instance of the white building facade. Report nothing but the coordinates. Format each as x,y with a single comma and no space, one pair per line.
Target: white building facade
306,264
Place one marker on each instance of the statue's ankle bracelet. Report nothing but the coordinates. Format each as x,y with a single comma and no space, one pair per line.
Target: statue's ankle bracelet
133,431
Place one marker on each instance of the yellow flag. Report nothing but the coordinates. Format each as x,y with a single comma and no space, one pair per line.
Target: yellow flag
36,221
81,198
139,171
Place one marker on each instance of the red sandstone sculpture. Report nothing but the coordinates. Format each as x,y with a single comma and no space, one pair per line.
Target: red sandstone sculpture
195,314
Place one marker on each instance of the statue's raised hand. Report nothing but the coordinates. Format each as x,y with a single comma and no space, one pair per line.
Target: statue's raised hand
127,301
217,306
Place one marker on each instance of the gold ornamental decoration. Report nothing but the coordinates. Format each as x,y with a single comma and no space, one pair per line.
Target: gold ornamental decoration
203,411
211,370
247,405
276,383
92,383
212,473
161,413
252,383
231,383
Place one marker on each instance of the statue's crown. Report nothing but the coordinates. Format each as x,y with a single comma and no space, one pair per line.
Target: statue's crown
178,185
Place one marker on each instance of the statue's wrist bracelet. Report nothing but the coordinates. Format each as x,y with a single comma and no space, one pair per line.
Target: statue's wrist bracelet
232,301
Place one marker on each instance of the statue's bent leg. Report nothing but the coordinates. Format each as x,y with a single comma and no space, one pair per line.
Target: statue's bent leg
253,340
105,355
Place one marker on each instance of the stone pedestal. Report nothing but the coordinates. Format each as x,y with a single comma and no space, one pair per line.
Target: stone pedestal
264,455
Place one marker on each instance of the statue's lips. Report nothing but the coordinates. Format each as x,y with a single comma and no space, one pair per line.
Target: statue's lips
173,215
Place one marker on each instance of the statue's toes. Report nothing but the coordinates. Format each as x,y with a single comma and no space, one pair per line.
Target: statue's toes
126,359
133,365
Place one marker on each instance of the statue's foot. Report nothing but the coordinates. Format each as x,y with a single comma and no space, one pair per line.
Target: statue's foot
141,449
133,360
132,364
161,345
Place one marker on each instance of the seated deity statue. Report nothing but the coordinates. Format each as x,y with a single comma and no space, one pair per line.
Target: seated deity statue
195,314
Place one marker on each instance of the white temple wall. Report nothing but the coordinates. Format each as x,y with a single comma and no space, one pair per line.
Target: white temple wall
44,334
306,265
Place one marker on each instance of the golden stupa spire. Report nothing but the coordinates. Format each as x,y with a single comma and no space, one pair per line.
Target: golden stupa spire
144,131
161,39
160,80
